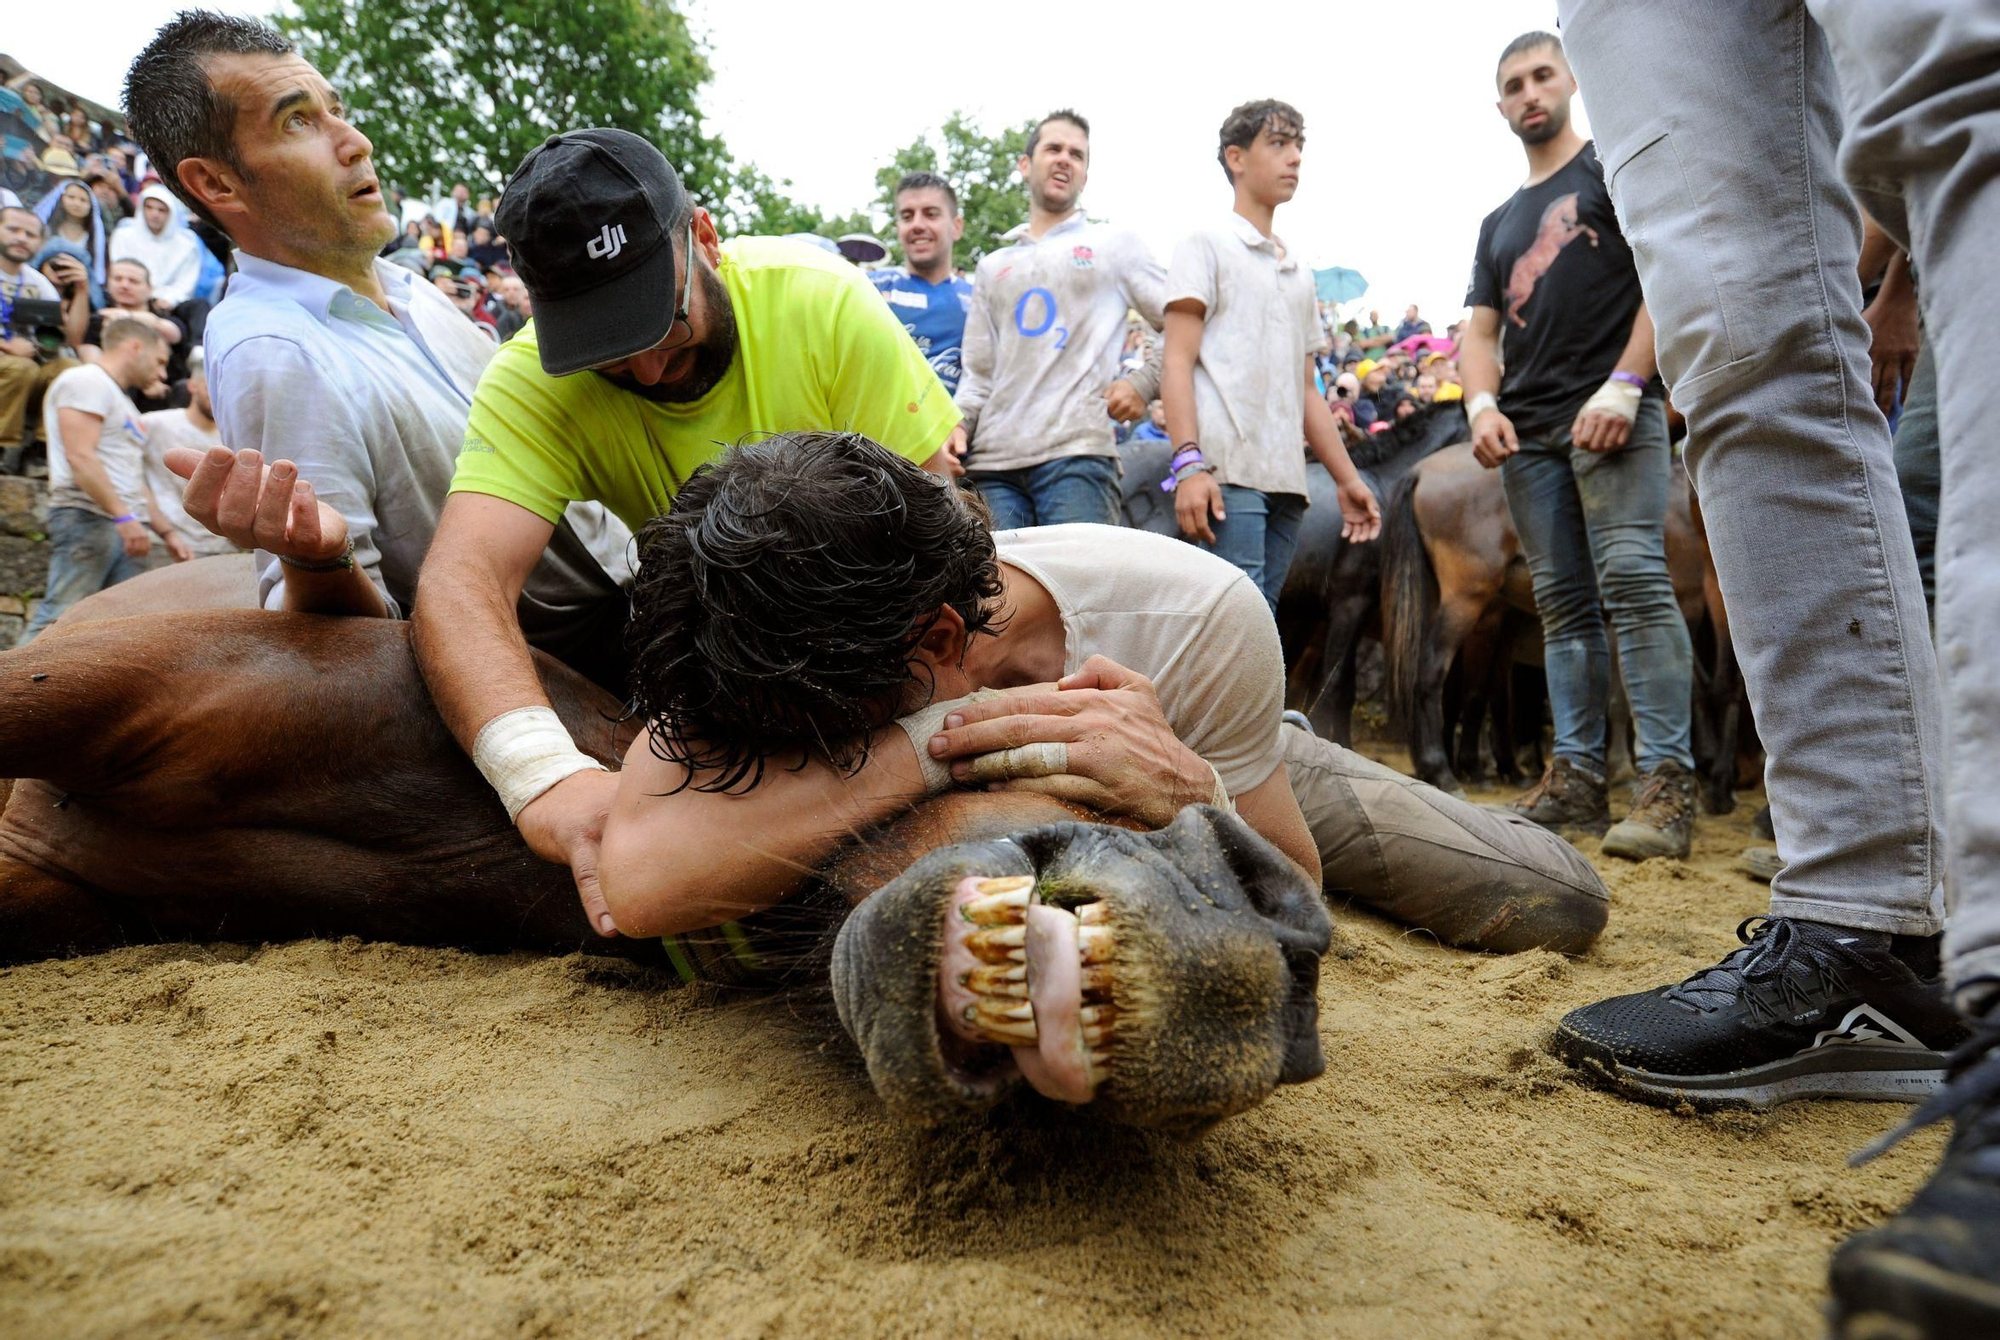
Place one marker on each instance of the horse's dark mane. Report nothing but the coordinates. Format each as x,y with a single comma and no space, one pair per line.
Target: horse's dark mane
1434,426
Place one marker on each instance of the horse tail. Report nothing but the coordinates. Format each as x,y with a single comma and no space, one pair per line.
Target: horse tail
1409,601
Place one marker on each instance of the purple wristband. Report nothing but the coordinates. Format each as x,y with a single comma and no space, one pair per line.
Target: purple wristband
1630,379
121,520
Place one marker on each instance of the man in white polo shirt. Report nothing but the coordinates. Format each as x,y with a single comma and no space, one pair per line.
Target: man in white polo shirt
1042,339
1242,330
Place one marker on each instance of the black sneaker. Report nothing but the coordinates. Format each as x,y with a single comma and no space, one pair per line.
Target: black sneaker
1934,1270
1803,1010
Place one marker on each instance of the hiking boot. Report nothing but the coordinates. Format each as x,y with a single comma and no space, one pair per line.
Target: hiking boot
1662,819
1762,864
1803,1010
1934,1270
1567,797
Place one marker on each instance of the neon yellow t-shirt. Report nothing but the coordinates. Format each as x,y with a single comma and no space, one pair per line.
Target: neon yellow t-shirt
817,348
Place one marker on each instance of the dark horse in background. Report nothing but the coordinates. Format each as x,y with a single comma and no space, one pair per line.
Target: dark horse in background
1456,588
1333,594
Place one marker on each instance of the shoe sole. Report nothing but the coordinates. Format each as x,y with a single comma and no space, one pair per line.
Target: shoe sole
1908,1299
1870,1074
1638,851
1566,828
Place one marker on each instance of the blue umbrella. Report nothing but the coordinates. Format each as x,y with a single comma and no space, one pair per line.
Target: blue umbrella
1337,285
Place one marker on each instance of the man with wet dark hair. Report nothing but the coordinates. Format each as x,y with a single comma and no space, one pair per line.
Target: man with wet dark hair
823,635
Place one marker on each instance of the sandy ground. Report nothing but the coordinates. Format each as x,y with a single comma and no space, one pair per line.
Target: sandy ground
355,1139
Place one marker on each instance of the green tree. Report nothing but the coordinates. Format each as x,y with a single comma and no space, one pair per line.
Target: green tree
757,204
982,168
461,90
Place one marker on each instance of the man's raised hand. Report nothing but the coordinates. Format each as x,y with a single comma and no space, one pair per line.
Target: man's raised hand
1118,753
258,506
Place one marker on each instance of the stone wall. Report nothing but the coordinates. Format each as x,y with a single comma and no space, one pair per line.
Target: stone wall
24,551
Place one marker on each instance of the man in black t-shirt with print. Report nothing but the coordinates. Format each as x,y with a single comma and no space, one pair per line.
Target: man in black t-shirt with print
1577,425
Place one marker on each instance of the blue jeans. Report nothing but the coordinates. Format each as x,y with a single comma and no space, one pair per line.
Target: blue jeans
1918,469
1593,529
85,556
1259,534
1054,493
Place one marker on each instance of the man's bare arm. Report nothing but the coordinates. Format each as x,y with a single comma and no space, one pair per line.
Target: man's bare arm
1361,515
469,646
677,860
268,507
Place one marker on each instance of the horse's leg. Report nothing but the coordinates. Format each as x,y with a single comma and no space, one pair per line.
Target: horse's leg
45,916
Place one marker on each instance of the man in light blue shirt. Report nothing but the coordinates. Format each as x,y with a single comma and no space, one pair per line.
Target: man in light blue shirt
348,374
927,295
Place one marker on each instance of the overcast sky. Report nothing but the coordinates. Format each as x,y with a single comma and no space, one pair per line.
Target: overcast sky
1405,153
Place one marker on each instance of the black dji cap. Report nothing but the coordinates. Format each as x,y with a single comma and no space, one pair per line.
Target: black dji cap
588,218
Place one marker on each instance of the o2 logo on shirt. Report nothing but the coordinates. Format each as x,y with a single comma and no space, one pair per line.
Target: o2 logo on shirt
1047,305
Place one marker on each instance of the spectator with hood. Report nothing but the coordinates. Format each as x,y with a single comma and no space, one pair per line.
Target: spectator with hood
171,254
70,214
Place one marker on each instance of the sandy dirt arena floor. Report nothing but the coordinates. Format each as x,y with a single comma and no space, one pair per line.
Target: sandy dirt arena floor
348,1139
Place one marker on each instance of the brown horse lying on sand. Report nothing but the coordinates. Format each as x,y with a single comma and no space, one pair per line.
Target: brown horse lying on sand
206,773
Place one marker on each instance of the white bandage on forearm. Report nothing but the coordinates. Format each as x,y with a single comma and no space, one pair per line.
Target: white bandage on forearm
524,752
1478,405
1615,397
1221,798
926,722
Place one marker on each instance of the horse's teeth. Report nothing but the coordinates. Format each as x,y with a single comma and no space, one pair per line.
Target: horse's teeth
999,944
1091,914
1005,884
993,1012
1094,943
1097,1014
1097,980
1006,908
997,981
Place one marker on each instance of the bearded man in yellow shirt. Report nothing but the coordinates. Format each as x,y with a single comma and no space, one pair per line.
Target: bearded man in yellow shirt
655,348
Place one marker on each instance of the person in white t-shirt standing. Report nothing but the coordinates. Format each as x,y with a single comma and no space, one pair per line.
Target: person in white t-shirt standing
193,428
1041,384
1242,329
102,514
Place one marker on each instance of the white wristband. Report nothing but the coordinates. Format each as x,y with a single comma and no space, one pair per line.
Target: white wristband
524,752
1615,397
926,722
1478,405
1221,798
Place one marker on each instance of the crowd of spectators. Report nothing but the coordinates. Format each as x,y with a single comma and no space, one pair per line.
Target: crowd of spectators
1373,376
99,237
89,237
456,246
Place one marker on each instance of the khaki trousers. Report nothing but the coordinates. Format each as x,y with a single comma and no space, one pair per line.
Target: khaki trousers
1475,877
23,382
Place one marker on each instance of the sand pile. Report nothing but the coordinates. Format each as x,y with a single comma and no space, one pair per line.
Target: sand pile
360,1139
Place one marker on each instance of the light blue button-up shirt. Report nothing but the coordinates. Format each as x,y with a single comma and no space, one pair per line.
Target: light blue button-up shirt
371,405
